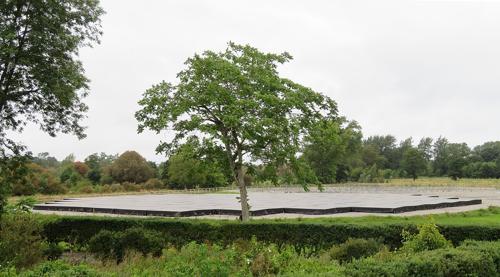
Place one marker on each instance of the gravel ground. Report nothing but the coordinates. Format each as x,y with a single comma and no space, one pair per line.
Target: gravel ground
490,197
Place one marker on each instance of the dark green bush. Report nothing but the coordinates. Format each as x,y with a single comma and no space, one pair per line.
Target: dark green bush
312,235
114,245
54,251
103,244
354,249
21,244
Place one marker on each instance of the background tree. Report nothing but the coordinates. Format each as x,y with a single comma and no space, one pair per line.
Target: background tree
45,160
237,99
131,167
191,166
329,146
413,162
425,147
97,164
41,80
457,159
387,149
440,162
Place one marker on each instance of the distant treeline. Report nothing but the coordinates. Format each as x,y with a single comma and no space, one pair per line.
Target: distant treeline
333,154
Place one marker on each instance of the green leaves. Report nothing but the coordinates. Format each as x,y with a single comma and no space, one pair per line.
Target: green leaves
41,80
237,99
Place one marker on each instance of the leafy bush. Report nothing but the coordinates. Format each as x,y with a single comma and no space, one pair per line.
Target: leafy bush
114,245
23,205
127,186
21,244
54,251
59,269
471,259
354,249
153,184
427,238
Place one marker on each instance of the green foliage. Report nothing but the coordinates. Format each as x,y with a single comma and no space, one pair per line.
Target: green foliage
96,164
243,258
470,259
329,145
23,205
131,167
413,162
41,80
13,170
354,249
370,175
60,269
114,245
427,238
298,234
54,251
38,180
458,154
69,175
20,240
153,184
191,166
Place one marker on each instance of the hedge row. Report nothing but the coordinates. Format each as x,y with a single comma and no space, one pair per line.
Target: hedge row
312,235
473,258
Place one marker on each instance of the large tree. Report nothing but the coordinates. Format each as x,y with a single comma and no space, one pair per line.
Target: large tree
41,79
237,99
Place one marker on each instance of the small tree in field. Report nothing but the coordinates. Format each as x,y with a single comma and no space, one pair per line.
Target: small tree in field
236,99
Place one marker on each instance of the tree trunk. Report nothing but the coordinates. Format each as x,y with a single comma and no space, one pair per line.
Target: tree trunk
245,208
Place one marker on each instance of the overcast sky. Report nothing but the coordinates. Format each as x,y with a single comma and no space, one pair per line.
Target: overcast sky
404,68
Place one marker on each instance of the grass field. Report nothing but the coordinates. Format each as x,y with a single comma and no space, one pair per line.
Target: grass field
489,217
445,181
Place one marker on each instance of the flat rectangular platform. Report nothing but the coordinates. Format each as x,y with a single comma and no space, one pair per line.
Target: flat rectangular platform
262,203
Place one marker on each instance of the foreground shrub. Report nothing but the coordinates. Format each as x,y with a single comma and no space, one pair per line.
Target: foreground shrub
468,260
60,269
354,249
244,258
427,238
114,245
20,242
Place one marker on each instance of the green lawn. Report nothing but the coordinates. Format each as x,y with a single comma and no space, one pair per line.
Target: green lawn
490,216
445,181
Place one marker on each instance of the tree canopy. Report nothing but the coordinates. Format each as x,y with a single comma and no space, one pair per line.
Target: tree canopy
237,99
41,79
131,167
